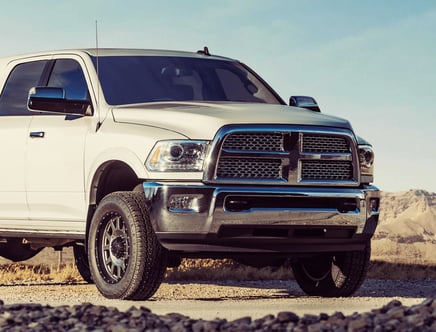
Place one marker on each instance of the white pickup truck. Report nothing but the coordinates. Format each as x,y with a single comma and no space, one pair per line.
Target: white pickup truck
138,158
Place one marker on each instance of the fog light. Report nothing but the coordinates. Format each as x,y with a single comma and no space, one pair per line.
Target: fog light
185,203
374,205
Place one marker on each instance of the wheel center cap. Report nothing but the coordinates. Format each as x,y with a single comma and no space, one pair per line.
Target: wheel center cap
118,247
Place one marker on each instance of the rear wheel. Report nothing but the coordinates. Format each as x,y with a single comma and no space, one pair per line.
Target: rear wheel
332,275
125,256
82,264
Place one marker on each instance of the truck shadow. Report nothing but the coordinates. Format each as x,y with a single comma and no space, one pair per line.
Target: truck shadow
229,290
384,279
418,288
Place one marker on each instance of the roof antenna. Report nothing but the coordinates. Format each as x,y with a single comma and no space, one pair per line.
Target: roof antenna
204,51
98,76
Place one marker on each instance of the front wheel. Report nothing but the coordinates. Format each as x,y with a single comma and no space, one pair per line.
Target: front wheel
125,256
332,275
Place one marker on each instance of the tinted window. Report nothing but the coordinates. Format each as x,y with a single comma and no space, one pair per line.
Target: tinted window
235,88
139,79
68,74
13,100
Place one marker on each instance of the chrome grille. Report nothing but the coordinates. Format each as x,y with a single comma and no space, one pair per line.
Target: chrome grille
326,170
254,142
281,155
249,168
324,144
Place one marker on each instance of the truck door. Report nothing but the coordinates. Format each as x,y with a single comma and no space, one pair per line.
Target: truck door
14,130
55,156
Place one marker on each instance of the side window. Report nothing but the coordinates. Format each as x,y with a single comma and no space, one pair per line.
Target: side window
68,74
13,99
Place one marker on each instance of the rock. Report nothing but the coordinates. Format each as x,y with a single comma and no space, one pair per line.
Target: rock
35,317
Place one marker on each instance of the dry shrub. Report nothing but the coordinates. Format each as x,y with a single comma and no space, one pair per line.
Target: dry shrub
401,271
224,269
23,273
67,273
206,270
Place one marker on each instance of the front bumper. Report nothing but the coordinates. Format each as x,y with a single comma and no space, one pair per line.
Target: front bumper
197,219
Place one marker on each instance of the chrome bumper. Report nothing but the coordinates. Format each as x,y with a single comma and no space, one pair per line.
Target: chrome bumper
201,217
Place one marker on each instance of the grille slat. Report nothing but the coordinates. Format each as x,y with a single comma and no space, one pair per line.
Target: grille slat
250,168
326,170
254,142
324,144
286,157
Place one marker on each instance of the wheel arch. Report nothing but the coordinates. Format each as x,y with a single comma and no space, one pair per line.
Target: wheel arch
108,161
112,175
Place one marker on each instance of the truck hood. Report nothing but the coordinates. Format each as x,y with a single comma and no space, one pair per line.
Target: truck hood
200,120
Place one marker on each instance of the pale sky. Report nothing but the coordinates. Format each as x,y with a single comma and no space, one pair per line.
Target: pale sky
372,62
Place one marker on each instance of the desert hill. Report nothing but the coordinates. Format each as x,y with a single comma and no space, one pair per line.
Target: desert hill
408,214
407,227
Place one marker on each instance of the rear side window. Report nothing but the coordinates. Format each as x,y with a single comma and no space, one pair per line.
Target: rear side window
13,99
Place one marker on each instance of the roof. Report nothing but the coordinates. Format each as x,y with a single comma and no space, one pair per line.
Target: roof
101,52
144,52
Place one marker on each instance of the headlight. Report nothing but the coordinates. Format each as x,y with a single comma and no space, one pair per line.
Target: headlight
366,159
177,156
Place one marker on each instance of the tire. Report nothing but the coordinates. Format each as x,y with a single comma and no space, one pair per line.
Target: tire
126,259
332,275
82,263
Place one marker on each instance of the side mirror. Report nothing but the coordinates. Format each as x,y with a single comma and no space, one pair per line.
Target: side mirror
304,102
53,100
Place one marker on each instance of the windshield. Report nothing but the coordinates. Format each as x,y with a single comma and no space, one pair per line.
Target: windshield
141,79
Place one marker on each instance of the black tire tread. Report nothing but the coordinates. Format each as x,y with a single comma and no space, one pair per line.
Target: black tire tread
358,263
354,267
148,265
82,264
155,255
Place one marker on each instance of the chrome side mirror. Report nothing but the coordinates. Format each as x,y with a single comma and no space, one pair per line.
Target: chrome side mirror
304,102
53,100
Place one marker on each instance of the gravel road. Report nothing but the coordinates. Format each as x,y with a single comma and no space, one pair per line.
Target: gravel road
229,300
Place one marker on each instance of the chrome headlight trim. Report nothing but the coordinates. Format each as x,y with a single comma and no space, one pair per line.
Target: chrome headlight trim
177,156
366,160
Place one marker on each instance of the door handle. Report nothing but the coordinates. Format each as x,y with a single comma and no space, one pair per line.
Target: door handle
37,134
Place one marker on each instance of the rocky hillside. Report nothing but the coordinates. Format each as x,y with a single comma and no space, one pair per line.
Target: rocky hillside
407,228
409,215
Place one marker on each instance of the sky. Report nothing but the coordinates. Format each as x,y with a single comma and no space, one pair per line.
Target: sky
372,62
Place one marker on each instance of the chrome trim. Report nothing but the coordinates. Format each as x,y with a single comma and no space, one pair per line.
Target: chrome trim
37,134
211,213
291,157
74,235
